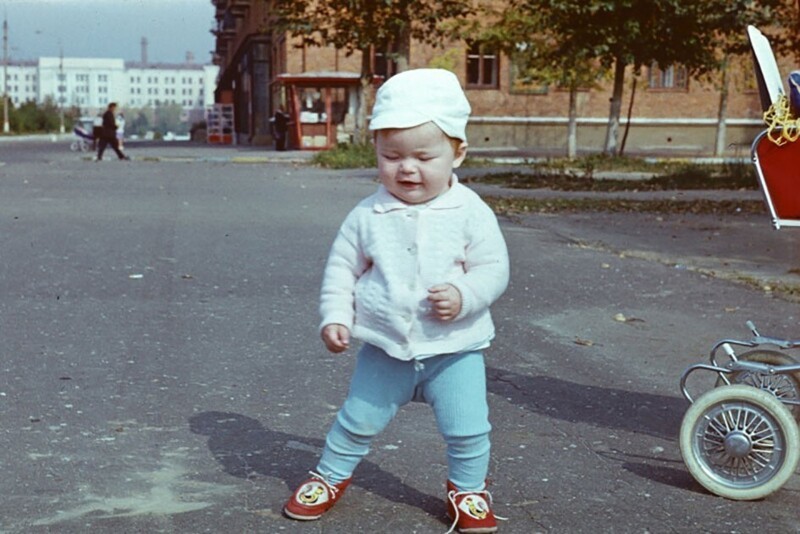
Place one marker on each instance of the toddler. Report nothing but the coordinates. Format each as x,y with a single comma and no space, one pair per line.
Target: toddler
412,273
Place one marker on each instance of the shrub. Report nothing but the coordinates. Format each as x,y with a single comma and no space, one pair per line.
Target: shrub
347,156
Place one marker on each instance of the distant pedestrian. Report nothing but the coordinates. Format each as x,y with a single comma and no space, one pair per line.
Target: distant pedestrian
120,130
280,128
412,273
108,135
97,130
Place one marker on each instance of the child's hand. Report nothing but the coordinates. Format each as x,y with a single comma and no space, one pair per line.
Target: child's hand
336,337
446,300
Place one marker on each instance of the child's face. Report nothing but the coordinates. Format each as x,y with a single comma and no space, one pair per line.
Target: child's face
415,164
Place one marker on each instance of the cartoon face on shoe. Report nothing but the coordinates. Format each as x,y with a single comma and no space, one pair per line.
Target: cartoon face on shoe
474,506
416,164
312,493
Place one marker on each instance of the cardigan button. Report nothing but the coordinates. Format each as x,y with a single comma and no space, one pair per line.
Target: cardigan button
412,249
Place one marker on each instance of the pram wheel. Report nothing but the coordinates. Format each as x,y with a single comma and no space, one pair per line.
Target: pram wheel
739,442
79,145
783,385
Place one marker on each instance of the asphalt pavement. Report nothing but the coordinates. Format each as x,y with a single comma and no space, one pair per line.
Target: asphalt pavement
160,369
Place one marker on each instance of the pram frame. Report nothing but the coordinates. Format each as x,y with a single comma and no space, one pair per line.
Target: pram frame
740,440
763,181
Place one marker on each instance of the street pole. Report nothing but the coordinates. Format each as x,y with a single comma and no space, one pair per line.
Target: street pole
60,86
6,128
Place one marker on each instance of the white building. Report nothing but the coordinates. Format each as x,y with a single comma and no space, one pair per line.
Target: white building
22,83
91,83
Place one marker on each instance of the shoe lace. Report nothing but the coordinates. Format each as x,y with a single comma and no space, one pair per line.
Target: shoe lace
453,495
331,488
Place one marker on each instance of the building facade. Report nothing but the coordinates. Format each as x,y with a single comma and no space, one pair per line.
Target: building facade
669,111
21,80
91,83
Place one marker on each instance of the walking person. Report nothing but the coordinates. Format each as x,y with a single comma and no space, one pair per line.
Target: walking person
108,134
412,273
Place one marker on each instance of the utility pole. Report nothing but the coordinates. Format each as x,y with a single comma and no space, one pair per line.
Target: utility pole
6,128
60,86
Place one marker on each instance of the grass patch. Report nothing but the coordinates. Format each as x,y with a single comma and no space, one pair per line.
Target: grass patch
511,205
347,156
580,175
686,177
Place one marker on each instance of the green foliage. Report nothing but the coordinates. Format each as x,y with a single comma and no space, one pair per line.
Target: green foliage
360,24
448,60
347,156
31,117
572,42
167,118
138,121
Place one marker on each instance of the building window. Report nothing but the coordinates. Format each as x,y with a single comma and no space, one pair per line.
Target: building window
482,67
383,64
672,78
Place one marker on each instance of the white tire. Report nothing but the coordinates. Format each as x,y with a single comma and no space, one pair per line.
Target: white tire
740,442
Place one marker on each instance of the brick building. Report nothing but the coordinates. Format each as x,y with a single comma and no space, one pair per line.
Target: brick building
262,71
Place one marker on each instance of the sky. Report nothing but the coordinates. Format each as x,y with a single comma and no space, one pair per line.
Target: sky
110,29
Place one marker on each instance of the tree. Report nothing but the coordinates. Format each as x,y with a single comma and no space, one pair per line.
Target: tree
619,34
530,37
366,25
168,119
139,121
32,117
732,45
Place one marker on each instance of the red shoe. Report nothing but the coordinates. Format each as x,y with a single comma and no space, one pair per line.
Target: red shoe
470,511
313,498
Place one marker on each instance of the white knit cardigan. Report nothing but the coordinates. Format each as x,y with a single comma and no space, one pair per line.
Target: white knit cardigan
388,253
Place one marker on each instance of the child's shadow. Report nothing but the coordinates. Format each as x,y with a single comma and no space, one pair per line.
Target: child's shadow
246,449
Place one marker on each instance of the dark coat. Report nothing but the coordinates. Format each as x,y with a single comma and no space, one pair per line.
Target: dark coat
109,125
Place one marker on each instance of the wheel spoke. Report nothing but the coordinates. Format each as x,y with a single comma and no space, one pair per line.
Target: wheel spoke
746,427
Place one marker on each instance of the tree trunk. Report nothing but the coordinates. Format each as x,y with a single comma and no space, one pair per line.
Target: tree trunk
361,131
616,107
628,118
403,48
572,124
722,112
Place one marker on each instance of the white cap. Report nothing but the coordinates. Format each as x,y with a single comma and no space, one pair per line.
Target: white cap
418,96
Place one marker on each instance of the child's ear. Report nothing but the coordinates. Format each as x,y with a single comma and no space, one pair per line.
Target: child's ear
460,155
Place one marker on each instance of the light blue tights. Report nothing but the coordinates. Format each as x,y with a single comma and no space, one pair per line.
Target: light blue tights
454,385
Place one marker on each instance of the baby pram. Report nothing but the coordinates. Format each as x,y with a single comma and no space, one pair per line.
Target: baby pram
777,163
84,140
741,440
